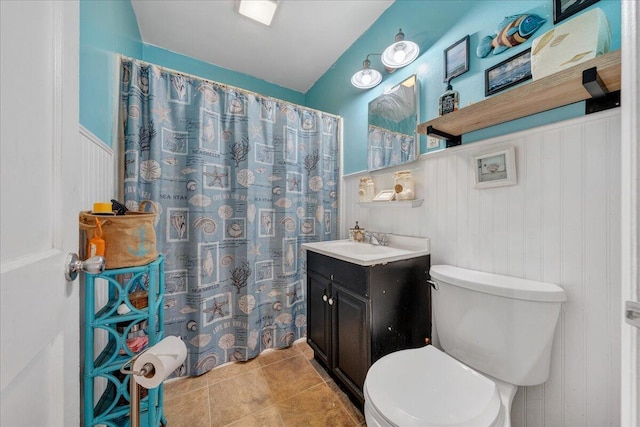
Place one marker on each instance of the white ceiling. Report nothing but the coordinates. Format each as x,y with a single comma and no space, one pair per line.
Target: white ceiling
304,40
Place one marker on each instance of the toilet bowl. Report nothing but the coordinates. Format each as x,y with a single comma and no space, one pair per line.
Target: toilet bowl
426,387
481,320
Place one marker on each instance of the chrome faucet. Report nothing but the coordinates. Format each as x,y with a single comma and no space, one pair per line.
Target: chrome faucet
379,240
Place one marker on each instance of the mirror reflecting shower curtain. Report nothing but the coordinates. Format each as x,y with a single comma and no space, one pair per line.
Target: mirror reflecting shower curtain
241,181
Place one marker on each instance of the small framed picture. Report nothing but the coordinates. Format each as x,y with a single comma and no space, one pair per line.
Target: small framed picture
514,70
456,59
495,169
385,196
562,9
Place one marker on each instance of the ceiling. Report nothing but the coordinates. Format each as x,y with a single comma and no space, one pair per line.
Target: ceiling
304,40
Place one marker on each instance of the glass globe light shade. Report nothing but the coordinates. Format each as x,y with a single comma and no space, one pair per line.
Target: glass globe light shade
366,78
400,54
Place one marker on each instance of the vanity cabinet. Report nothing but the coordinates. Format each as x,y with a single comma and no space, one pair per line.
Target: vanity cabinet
357,314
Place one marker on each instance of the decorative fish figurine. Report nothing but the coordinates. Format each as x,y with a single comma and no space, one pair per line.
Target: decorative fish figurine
515,29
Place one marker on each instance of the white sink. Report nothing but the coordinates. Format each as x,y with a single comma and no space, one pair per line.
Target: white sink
399,248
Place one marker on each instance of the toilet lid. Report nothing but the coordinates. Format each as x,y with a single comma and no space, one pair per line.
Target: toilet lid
426,387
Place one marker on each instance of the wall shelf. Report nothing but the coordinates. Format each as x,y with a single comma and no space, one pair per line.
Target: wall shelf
415,203
557,90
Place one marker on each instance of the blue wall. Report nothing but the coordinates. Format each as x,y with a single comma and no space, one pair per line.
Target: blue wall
186,64
106,27
109,27
421,21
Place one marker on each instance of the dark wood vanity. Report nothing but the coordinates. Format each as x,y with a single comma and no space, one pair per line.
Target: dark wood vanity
357,314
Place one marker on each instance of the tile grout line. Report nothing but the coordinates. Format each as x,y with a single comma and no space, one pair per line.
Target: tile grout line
208,404
280,360
289,397
254,360
251,414
342,404
298,351
307,389
244,372
273,398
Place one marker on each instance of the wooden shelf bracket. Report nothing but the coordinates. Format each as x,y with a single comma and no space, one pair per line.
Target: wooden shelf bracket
452,140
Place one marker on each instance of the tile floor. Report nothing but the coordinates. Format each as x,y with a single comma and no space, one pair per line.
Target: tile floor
278,388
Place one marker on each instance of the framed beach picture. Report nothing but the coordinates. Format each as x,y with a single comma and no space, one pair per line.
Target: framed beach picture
495,169
456,59
514,70
562,9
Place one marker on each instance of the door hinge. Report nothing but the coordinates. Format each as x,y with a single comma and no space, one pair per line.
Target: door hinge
632,313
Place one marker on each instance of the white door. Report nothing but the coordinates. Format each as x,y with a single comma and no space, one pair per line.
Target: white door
630,225
39,323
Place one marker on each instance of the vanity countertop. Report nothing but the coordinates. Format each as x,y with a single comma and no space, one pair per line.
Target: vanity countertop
366,254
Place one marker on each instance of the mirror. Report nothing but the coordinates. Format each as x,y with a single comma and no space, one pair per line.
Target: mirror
393,122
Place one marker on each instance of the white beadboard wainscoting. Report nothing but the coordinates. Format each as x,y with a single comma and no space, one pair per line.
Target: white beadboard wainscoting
560,223
98,185
98,170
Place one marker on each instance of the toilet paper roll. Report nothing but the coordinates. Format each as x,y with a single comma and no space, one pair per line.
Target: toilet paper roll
166,356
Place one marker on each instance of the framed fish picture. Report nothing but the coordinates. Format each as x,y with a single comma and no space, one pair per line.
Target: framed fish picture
514,70
562,9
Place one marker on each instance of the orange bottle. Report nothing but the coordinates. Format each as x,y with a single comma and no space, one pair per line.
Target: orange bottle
96,243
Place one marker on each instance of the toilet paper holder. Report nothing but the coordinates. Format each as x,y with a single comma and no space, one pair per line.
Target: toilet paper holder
134,388
149,368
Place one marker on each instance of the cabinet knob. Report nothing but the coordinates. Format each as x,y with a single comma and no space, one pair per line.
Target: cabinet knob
324,298
330,301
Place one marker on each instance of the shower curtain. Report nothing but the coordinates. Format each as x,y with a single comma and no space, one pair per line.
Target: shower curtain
241,181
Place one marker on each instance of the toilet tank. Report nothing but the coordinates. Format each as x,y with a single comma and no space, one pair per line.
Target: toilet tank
499,325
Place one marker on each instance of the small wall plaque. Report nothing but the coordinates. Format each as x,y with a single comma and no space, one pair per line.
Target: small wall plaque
385,196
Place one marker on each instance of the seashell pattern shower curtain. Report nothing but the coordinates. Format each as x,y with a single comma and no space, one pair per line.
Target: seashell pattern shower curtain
388,148
241,181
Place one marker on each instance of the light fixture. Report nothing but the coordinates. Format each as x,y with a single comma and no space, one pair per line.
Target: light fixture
401,53
366,78
258,10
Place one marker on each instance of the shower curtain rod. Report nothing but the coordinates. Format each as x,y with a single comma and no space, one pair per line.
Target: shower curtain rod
246,91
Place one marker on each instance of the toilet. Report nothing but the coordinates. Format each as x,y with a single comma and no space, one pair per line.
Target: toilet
496,334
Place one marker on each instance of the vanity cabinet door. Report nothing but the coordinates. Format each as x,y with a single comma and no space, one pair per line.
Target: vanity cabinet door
351,340
357,314
318,313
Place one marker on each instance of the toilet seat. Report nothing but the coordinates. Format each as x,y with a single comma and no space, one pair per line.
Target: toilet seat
427,387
